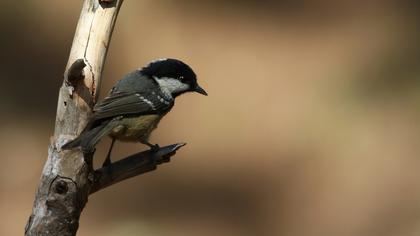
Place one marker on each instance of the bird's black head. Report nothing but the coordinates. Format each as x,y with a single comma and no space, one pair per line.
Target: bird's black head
174,75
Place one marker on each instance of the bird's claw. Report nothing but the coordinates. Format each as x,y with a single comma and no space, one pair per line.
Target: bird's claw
154,148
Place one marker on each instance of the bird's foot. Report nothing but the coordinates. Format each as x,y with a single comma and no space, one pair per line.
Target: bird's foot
154,147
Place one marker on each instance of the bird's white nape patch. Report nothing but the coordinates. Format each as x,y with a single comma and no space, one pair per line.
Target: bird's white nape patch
170,85
156,60
159,59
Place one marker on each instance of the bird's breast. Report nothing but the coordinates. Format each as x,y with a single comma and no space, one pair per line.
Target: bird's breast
135,129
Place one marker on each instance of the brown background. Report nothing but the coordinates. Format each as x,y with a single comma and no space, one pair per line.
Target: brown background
311,126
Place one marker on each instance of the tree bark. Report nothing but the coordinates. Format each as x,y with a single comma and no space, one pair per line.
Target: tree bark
68,176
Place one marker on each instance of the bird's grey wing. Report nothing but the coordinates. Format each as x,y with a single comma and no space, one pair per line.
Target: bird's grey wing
129,103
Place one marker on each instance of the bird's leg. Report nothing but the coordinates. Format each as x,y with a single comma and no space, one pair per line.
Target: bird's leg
107,161
153,147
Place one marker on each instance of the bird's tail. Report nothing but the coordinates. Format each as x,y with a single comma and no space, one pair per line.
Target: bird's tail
89,138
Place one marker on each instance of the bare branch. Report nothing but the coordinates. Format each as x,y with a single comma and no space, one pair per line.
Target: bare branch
67,175
131,166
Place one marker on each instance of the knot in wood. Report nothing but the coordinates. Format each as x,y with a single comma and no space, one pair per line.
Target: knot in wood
61,187
107,3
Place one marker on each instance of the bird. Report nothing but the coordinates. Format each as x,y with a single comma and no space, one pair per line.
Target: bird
136,104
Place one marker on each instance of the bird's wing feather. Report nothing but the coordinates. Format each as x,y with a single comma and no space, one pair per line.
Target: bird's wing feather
128,103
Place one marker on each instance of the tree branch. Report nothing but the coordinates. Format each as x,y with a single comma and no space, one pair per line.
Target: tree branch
67,175
131,166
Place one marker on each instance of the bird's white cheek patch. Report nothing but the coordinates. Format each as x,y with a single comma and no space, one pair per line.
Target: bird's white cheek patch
171,85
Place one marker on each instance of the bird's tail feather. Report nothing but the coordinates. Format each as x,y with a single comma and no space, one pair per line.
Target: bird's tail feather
88,139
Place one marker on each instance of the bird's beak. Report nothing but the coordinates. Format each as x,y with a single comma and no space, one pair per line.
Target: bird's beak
200,90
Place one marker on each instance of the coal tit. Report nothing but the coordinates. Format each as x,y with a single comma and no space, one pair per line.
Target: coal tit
136,104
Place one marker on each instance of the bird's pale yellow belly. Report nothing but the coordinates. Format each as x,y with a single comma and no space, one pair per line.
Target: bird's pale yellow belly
135,129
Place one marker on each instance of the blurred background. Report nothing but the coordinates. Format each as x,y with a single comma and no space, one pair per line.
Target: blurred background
310,127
